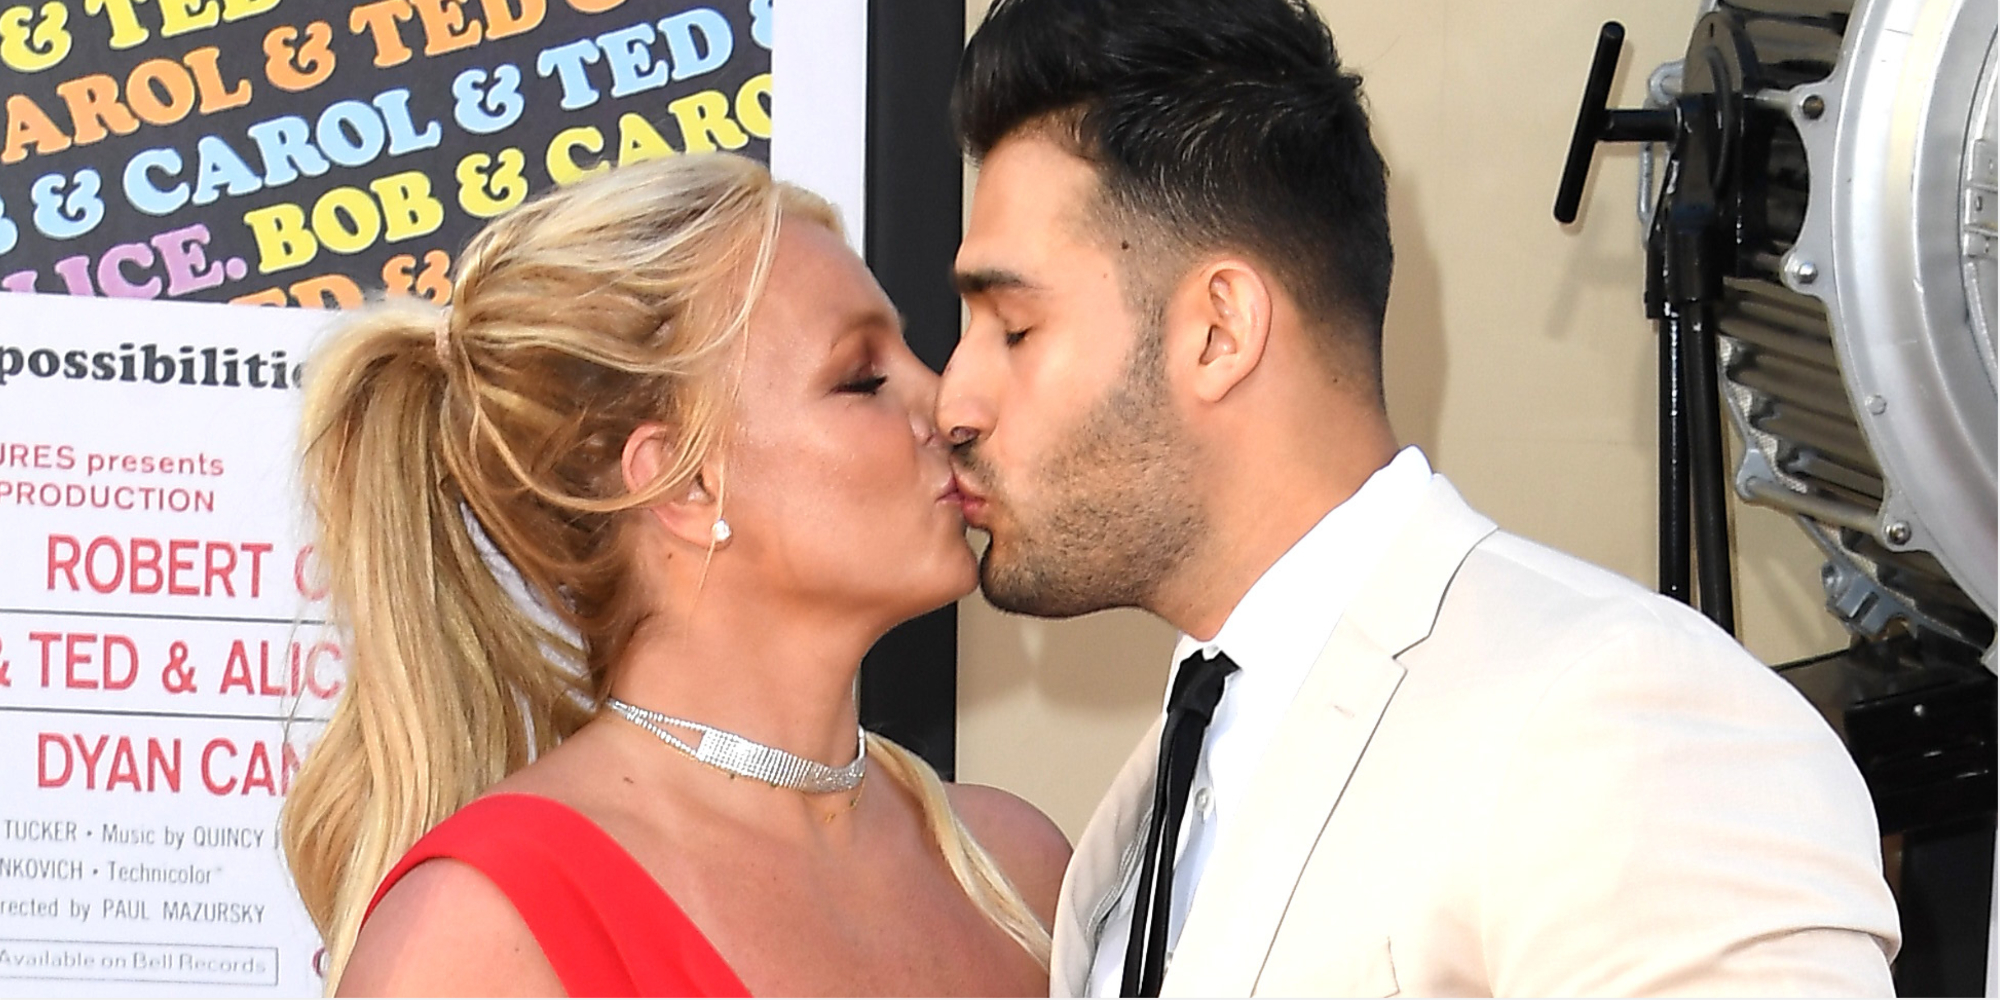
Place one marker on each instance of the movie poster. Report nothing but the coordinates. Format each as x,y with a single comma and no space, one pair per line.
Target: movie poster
162,668
302,153
163,661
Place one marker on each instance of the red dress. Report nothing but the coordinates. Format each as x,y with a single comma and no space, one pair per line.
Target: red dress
602,922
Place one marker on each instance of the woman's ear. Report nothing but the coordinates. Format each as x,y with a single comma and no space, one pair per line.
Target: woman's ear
690,514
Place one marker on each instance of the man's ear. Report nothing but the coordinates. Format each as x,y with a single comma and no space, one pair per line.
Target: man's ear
1229,303
689,514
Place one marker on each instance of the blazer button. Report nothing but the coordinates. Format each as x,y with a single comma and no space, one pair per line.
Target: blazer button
1204,802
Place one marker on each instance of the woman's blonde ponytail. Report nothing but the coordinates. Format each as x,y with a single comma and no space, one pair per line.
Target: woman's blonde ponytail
449,687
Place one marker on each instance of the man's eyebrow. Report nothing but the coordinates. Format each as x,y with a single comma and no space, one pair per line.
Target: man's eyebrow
986,279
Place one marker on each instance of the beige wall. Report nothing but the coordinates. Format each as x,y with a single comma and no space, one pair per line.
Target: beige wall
1517,352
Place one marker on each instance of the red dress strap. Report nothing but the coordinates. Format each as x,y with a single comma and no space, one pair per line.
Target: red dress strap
605,926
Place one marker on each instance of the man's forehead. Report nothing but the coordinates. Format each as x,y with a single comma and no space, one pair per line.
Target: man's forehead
1030,180
1030,209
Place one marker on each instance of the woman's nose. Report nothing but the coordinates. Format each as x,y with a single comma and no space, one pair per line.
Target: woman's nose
923,406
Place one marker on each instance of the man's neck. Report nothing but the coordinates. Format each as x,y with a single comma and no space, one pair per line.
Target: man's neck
1261,501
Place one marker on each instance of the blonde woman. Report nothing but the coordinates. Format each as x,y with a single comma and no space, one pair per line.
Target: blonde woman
684,414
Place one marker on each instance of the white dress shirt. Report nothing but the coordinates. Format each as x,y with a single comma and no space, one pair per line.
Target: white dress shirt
1274,635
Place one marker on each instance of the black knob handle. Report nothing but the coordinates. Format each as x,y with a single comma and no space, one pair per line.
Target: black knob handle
1590,121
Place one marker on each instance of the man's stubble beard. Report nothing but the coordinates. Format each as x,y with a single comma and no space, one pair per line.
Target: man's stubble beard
1118,516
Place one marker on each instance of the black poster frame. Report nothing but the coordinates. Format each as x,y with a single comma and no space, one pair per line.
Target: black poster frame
914,186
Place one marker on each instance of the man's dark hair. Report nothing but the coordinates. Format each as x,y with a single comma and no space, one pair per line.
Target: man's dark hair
1224,124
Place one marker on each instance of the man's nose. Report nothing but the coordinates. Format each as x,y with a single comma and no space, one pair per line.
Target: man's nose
964,411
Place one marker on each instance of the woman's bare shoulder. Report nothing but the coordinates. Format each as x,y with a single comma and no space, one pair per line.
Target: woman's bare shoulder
444,929
1028,845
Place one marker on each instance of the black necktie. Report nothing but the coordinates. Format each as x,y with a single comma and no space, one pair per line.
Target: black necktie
1197,689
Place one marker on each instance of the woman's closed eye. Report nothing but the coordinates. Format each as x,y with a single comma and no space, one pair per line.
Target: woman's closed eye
867,385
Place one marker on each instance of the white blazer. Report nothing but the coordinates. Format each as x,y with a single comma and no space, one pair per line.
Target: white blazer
1513,773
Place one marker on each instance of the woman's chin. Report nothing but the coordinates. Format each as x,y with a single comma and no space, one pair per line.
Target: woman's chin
953,582
968,567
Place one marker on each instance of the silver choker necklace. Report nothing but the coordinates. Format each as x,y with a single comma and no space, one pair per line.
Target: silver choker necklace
729,752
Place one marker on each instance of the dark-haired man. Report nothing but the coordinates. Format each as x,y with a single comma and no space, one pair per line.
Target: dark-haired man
1405,751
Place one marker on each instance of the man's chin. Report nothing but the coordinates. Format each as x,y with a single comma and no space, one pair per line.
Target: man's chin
1015,589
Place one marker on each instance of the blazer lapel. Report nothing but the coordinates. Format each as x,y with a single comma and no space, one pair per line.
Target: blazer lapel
1096,867
1250,878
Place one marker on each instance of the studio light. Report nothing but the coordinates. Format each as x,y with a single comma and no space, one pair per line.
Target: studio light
1818,200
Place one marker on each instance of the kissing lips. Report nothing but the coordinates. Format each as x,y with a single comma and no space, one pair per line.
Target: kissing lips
970,500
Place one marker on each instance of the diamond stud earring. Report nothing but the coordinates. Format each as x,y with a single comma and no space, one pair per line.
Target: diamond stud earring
719,531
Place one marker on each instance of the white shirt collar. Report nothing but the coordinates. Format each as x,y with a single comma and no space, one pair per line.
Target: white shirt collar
1275,633
1288,614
